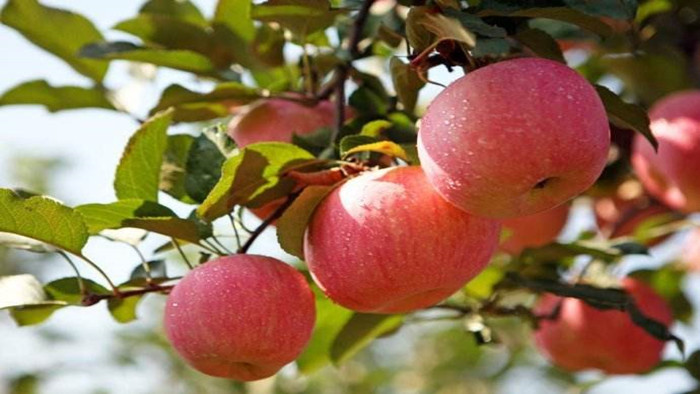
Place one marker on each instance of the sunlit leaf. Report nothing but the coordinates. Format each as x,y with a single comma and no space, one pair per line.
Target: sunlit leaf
55,98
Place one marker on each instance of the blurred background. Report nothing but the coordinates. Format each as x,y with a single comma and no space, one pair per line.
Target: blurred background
72,155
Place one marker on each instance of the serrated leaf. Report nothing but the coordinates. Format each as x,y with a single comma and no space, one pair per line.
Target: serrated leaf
235,14
301,17
541,43
172,171
179,9
42,219
123,310
192,106
360,331
330,319
257,169
625,115
203,168
562,14
147,215
292,225
138,172
55,98
407,83
178,59
386,147
476,25
40,24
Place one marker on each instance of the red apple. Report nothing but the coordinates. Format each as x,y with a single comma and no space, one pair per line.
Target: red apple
672,173
278,120
691,250
385,242
582,337
534,230
241,317
514,138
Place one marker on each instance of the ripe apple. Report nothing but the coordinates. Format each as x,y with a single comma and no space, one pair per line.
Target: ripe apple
385,242
534,230
278,120
514,138
691,250
241,317
671,175
582,337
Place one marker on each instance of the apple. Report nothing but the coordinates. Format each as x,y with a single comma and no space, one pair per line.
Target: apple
582,337
514,138
386,242
534,230
278,120
240,317
671,174
629,223
691,250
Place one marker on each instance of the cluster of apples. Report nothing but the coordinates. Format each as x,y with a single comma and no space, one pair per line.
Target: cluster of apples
508,144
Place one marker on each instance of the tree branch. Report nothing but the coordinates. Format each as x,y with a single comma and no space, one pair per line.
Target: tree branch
268,220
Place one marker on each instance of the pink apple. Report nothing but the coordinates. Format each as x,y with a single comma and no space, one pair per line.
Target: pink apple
673,174
240,317
278,120
534,230
385,242
582,337
514,138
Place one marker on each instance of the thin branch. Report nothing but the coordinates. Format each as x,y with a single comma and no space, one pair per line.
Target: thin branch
92,299
274,216
97,268
182,254
224,248
213,247
144,263
235,230
81,283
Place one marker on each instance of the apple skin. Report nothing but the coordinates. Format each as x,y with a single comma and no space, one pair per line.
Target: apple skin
691,250
671,175
534,230
278,120
514,138
240,317
385,242
583,337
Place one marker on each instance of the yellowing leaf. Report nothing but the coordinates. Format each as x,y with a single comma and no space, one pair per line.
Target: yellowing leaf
385,147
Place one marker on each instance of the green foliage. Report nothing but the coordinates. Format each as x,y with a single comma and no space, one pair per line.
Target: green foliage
56,98
292,225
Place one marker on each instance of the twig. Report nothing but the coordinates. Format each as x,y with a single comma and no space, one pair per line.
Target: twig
224,248
97,268
235,230
144,263
92,299
81,283
268,220
182,254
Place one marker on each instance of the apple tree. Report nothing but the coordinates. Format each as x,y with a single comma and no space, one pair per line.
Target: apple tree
395,206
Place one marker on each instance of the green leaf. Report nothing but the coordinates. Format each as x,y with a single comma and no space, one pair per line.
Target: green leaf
360,331
67,290
28,315
368,102
490,47
183,60
203,168
482,285
147,215
172,171
168,32
667,281
447,28
407,83
386,147
301,17
179,9
138,171
235,14
625,115
192,106
42,219
541,43
123,310
39,92
617,9
375,128
41,25
257,169
330,319
292,225
156,269
354,140
562,14
476,25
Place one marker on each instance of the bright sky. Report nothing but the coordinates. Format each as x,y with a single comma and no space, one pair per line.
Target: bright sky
92,141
